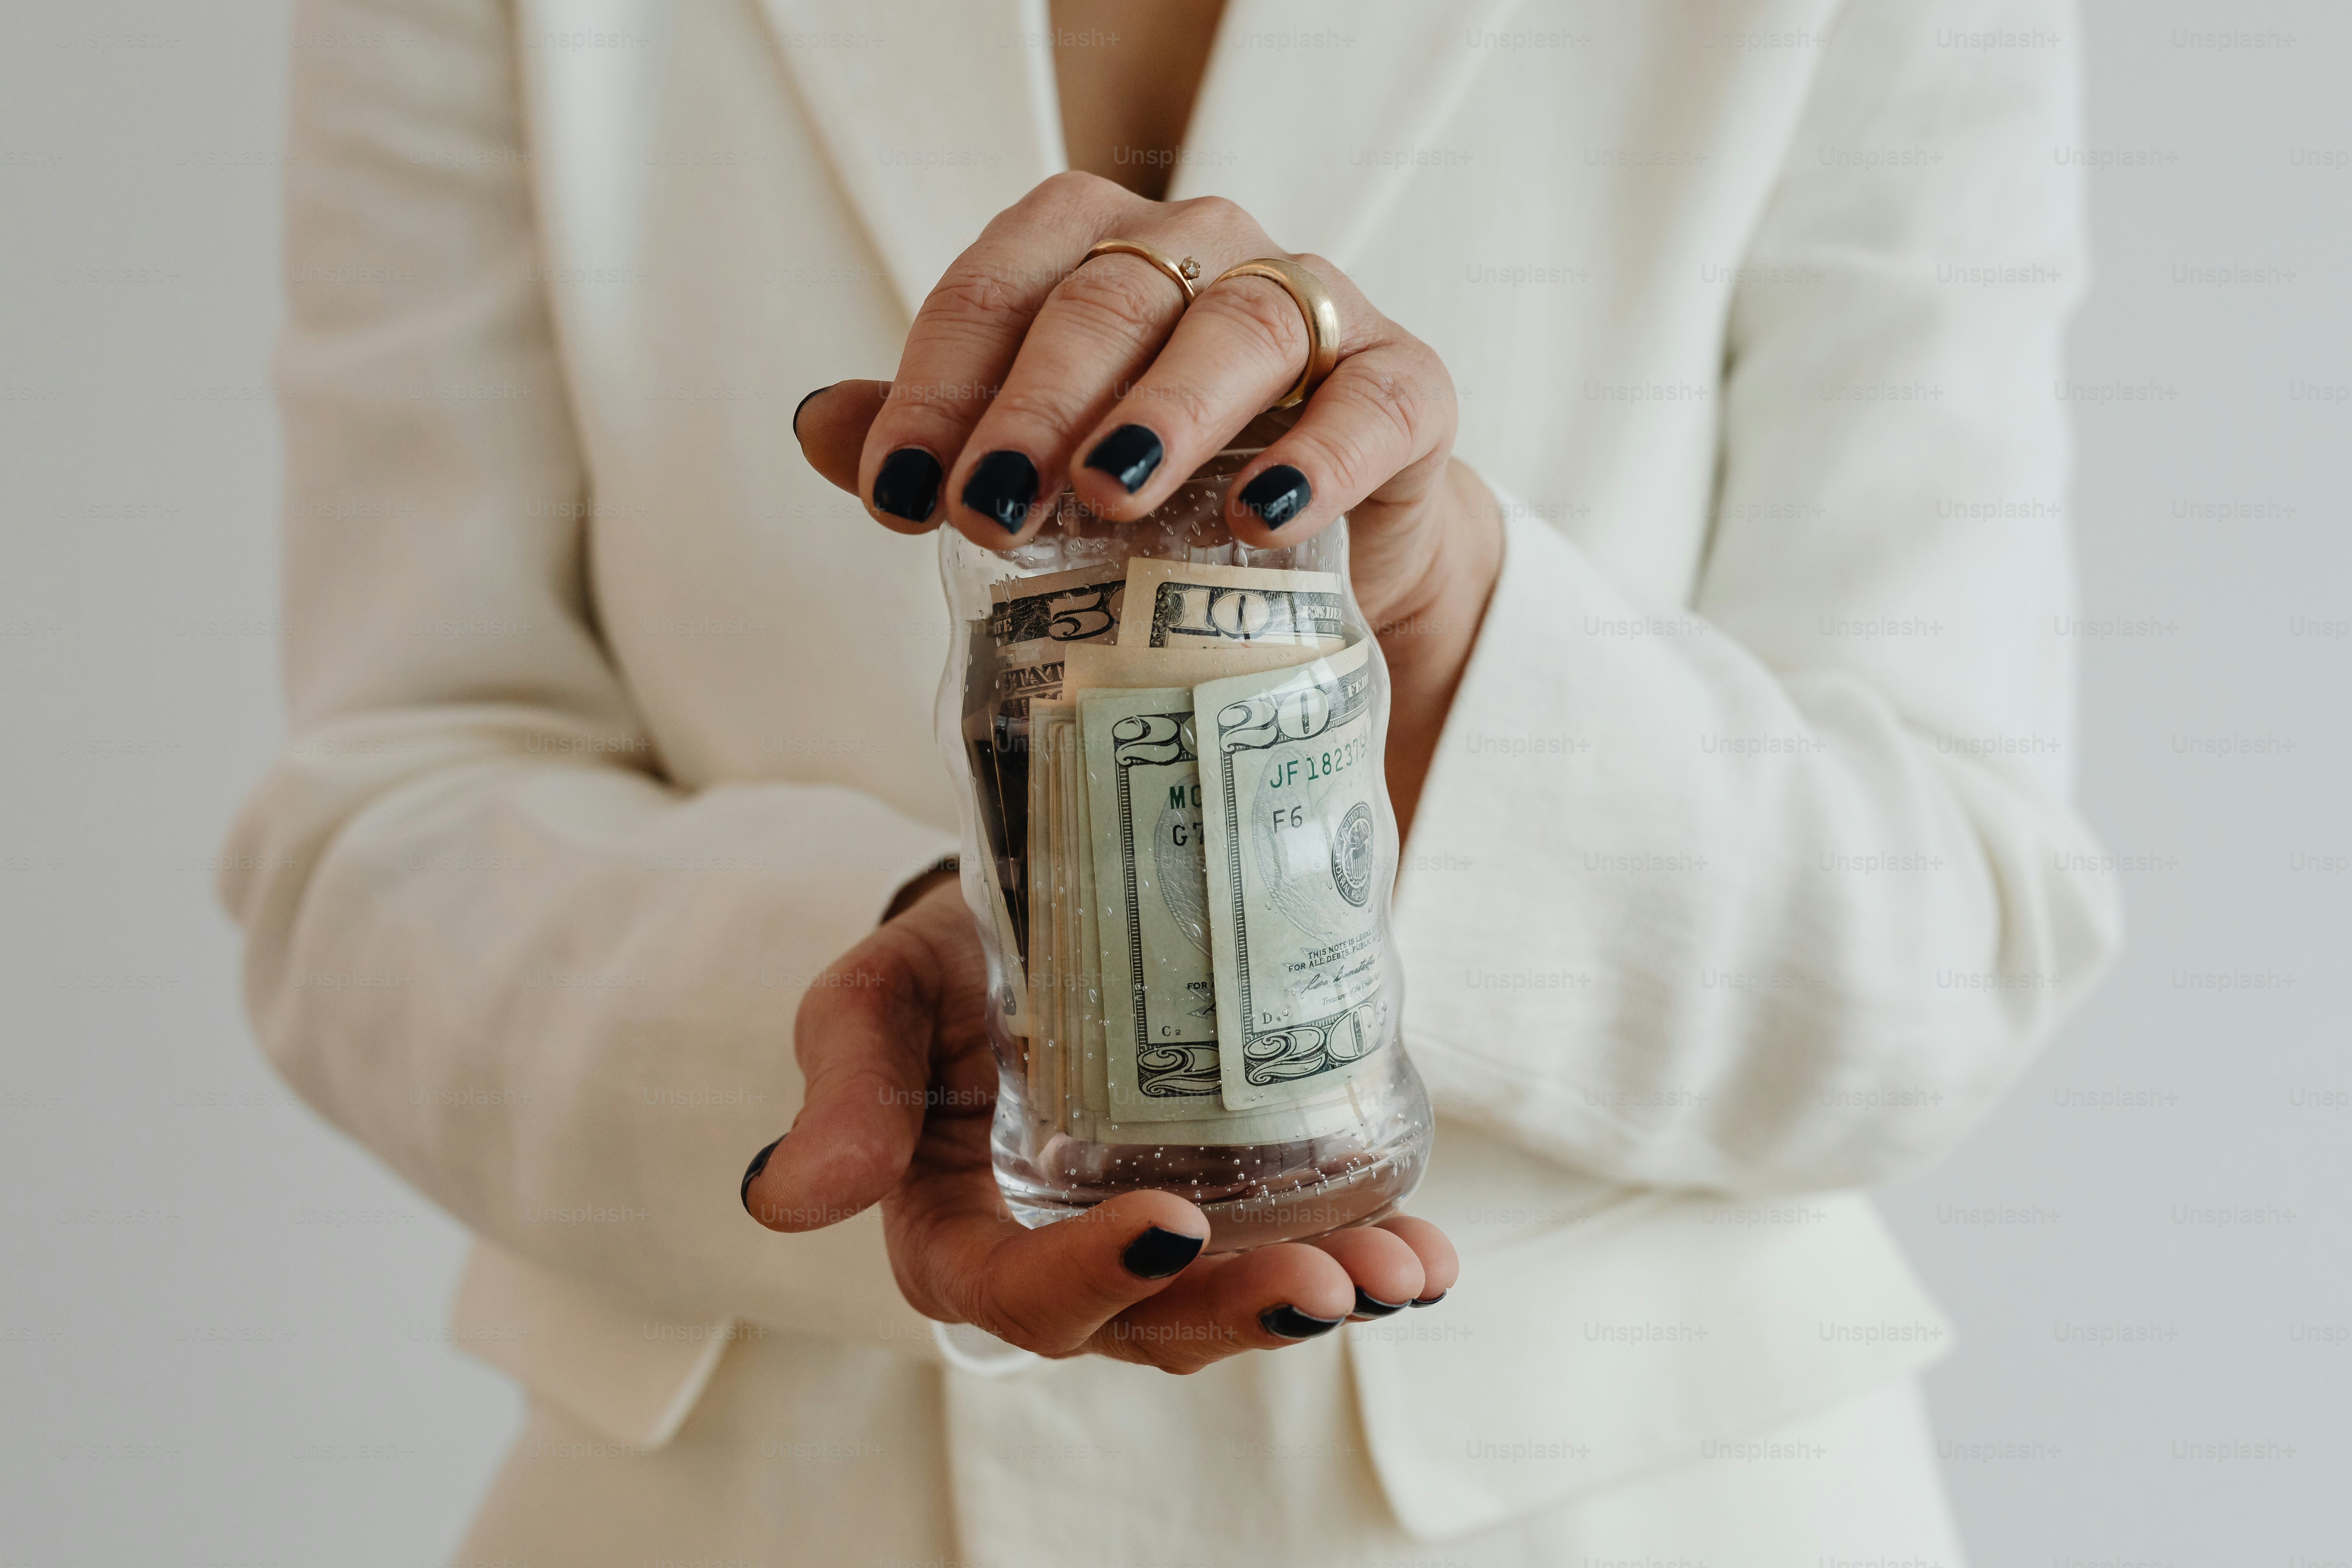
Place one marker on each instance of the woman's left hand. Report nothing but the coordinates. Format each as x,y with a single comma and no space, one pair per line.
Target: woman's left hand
1025,368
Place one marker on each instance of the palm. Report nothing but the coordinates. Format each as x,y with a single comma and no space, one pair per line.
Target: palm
901,1092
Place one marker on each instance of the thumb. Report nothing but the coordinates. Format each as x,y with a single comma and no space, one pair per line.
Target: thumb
864,1035
831,424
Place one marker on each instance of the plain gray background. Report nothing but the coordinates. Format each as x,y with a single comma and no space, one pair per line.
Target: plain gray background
2148,1250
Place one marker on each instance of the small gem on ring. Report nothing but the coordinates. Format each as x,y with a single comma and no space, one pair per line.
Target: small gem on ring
1188,268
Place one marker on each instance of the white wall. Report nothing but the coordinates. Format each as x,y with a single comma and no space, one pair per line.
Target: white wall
2062,1449
219,1321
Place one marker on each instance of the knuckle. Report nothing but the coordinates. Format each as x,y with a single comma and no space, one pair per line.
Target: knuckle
1385,405
1348,459
1061,199
1028,406
1177,405
1037,1323
828,1008
844,1085
1224,212
1179,1349
1076,185
1120,301
968,291
984,1312
941,408
1266,317
1149,1347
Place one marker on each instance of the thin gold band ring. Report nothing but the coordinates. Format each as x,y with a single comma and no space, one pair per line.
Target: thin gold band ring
1179,273
1314,302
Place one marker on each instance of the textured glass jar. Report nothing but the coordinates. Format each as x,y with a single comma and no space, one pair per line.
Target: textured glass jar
1179,849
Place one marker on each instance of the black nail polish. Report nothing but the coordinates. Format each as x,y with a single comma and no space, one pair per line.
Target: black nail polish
1431,1301
1156,1253
1278,495
803,403
1288,1322
1370,1306
1001,486
1128,454
908,484
759,1163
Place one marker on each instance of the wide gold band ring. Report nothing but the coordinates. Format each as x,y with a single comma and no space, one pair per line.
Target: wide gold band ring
1315,303
1179,273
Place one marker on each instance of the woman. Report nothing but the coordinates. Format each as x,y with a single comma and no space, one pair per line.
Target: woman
1679,349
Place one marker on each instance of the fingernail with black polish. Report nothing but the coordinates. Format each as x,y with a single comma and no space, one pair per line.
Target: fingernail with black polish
908,484
1128,454
1278,495
1156,1253
1288,1322
803,403
759,1163
1431,1301
1368,1306
1001,486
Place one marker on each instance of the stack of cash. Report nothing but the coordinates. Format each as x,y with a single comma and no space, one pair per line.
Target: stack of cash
1177,769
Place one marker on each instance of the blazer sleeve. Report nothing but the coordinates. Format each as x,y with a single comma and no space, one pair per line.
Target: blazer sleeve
1780,889
485,936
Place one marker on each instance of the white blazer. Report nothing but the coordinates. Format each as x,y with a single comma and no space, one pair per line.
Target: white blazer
1746,875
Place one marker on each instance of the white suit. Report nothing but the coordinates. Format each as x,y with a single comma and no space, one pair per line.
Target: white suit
1746,875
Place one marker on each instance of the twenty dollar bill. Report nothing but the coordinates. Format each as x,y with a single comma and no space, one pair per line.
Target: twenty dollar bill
1159,988
1294,861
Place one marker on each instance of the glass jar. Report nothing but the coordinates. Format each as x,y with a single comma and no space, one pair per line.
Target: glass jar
1179,849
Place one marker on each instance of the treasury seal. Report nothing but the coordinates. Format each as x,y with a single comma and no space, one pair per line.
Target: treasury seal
1352,854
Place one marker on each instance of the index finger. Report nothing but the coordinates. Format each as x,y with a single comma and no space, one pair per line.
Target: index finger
966,336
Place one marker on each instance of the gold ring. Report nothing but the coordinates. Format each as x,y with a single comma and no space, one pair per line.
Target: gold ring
1315,303
1181,273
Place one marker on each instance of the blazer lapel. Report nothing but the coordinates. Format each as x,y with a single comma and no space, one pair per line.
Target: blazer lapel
1308,102
936,114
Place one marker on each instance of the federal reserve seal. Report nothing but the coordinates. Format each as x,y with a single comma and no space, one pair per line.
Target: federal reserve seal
1352,854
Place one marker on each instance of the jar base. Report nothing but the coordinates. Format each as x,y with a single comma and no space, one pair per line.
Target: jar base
1306,1200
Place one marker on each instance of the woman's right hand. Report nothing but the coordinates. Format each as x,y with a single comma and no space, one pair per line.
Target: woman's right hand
1031,366
901,1090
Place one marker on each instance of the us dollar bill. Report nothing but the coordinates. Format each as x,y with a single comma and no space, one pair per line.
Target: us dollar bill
1124,978
1086,1080
1038,883
1159,987
1034,621
1032,625
1295,862
1056,980
1174,604
1013,990
1001,880
1028,614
